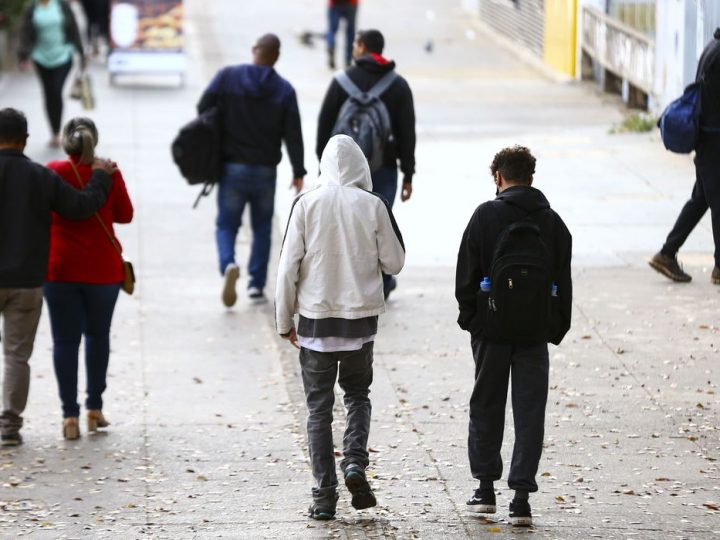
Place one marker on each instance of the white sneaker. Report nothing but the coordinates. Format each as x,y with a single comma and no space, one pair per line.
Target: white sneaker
257,296
232,274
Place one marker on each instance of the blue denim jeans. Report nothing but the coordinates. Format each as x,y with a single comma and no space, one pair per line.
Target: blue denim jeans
78,309
385,182
334,15
246,184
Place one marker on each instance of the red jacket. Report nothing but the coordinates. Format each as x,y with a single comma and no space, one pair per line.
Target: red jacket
80,251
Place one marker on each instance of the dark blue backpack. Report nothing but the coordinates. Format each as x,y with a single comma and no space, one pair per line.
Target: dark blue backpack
680,121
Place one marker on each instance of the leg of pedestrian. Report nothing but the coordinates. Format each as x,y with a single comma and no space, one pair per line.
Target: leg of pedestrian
66,306
350,18
707,164
333,25
355,378
231,201
384,182
262,207
530,368
319,372
487,420
100,302
21,310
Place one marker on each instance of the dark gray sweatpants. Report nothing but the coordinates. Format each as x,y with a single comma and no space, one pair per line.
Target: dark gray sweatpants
494,364
319,373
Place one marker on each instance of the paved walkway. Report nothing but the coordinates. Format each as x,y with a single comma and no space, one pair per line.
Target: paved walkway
207,410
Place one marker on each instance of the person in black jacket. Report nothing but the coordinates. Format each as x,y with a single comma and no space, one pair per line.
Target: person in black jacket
512,169
706,191
259,111
30,192
370,66
49,36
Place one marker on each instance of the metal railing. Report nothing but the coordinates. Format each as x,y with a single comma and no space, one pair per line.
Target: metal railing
618,48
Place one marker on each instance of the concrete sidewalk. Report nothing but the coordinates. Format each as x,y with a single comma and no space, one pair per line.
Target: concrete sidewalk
207,408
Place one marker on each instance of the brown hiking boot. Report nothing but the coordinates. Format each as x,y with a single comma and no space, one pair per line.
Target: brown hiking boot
670,267
715,276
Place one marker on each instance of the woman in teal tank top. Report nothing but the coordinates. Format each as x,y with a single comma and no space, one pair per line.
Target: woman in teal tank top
49,37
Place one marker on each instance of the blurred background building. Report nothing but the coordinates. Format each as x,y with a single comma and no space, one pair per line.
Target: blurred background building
644,50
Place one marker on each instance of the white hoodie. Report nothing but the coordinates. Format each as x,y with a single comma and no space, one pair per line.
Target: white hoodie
340,237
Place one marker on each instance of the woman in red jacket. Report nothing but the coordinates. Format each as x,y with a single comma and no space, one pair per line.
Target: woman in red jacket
84,277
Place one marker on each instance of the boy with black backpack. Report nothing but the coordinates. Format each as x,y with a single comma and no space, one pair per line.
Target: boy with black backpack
514,292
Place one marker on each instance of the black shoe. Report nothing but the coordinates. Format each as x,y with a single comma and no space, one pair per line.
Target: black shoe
256,296
11,439
482,502
391,286
362,496
715,276
321,513
669,267
520,515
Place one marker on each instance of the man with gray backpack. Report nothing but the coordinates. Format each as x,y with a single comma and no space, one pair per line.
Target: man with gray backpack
514,292
373,105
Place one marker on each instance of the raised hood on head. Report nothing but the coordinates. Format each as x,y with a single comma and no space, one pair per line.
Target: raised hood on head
344,164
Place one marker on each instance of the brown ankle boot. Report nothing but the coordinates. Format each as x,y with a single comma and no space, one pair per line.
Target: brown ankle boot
71,428
715,276
95,420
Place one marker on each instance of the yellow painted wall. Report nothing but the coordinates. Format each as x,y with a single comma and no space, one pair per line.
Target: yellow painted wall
561,35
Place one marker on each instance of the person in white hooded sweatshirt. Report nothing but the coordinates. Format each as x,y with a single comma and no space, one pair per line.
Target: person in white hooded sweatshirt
340,238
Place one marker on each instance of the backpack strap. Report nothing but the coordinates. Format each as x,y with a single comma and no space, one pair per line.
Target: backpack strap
346,84
383,84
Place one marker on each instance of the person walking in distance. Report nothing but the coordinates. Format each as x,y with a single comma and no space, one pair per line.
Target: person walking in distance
339,10
374,74
49,36
30,193
340,237
706,191
259,111
84,277
514,293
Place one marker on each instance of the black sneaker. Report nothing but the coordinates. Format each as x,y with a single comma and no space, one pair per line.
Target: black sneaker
321,513
482,502
669,267
520,515
11,439
362,496
256,295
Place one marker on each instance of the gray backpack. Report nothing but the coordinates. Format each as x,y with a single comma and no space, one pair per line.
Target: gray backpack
365,118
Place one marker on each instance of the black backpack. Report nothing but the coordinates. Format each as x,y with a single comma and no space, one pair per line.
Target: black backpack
521,275
197,148
365,118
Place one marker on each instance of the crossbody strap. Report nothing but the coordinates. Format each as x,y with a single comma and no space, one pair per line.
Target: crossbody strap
102,223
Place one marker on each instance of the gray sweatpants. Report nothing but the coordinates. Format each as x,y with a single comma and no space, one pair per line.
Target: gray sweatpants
20,310
319,373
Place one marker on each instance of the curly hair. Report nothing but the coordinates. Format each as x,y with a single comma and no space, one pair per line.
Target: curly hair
515,164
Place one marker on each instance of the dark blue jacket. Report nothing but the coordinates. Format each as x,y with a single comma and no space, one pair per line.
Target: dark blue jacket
259,111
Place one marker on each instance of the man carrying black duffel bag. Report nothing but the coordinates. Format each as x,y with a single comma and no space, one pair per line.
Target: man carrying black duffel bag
514,292
259,111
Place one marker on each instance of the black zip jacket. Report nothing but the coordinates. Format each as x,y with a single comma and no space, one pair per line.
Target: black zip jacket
259,111
478,247
399,102
28,33
28,193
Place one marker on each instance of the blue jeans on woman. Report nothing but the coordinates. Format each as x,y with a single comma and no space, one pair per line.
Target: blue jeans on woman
246,184
78,309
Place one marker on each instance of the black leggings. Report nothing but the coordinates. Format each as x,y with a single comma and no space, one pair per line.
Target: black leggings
53,81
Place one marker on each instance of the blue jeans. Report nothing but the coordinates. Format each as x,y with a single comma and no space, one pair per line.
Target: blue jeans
385,181
242,184
334,15
78,309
